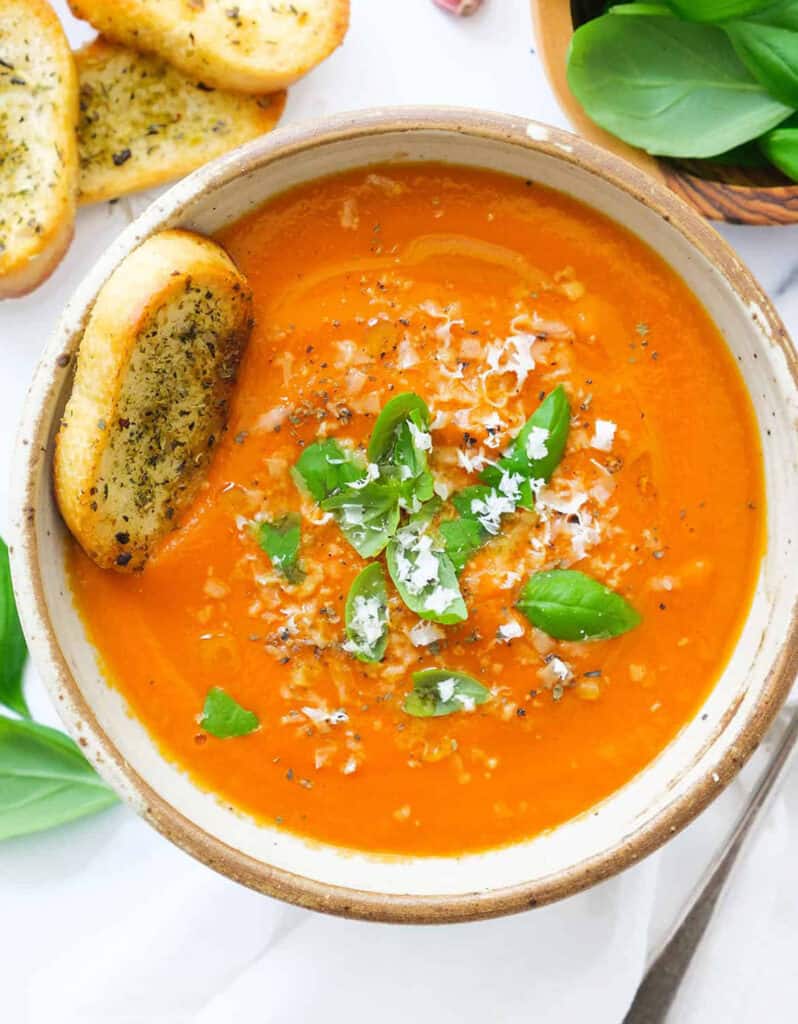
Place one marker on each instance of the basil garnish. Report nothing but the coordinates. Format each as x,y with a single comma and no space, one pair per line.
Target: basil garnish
569,605
424,575
13,650
44,780
462,538
534,455
224,717
367,615
438,691
367,502
397,411
324,468
280,541
399,445
539,446
368,517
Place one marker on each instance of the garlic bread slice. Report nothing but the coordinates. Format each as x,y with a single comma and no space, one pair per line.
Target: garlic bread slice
250,45
143,122
155,373
38,150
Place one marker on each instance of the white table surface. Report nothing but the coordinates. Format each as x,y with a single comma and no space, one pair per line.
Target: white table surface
104,922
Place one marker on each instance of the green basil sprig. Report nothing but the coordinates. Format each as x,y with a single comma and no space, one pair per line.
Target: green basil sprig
462,538
366,615
439,691
535,453
222,716
368,517
367,501
424,575
671,87
324,468
280,540
569,605
399,444
13,650
44,780
538,447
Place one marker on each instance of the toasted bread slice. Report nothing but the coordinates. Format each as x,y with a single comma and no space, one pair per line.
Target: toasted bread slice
250,45
156,369
143,122
38,150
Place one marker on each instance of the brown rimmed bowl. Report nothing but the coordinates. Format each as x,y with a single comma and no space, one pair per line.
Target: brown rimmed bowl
635,820
736,195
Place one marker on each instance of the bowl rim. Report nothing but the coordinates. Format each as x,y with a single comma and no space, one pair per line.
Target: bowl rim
31,449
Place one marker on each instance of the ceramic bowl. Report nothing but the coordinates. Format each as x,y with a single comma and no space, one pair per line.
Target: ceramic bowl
644,813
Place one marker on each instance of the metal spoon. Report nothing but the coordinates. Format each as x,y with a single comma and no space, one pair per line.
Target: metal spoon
661,982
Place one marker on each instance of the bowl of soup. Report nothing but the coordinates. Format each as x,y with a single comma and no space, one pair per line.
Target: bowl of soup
493,569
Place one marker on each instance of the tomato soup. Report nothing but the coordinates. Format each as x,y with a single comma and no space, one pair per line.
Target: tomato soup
578,604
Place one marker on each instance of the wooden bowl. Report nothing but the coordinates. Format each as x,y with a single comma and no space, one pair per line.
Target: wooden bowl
634,820
732,194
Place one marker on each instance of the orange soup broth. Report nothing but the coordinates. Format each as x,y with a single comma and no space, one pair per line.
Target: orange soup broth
399,279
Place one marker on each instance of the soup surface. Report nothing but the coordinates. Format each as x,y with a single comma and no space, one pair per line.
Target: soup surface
481,295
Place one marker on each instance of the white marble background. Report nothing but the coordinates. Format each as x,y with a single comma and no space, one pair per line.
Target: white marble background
103,922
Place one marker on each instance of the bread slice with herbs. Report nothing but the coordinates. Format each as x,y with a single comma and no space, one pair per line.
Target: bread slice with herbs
155,373
143,122
38,150
249,45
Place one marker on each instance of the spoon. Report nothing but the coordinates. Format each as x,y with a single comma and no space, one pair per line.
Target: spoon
661,982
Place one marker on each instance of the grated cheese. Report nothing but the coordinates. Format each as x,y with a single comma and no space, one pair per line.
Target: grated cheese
425,633
511,630
536,443
421,439
604,435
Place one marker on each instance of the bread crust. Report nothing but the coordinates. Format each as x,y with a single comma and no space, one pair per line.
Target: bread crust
249,46
155,373
143,122
38,147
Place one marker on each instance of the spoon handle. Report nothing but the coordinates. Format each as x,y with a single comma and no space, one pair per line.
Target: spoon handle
661,982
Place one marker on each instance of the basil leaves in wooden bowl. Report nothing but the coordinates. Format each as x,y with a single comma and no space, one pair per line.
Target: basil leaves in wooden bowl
707,87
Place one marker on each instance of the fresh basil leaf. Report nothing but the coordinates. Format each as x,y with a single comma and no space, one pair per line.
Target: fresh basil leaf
399,444
44,780
324,468
366,615
13,650
280,540
462,538
770,53
368,517
670,87
783,14
662,10
224,717
569,605
538,447
438,691
396,411
424,576
716,10
781,147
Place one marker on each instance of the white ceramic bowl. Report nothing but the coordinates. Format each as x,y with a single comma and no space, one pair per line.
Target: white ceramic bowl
636,819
